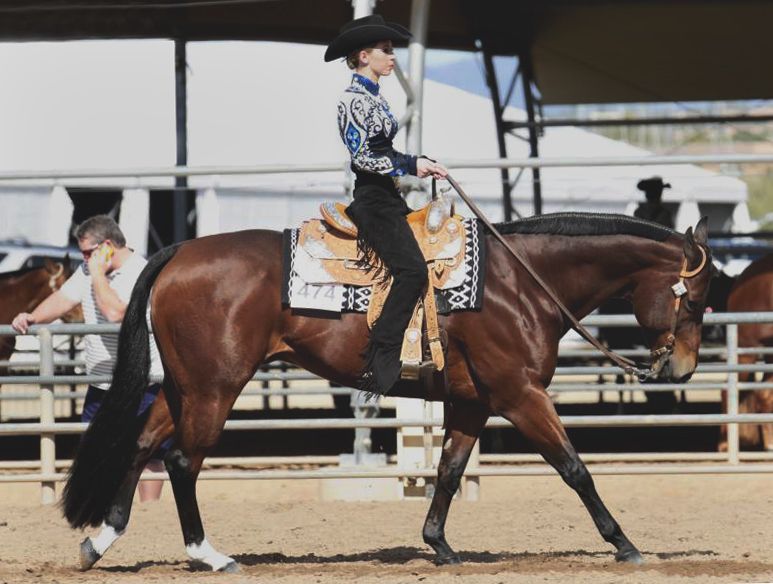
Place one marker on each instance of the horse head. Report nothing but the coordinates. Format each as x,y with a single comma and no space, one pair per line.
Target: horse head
669,303
58,273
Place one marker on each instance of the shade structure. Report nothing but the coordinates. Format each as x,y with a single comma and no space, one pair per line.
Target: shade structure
584,51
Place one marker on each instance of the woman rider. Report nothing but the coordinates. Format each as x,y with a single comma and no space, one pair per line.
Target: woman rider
386,241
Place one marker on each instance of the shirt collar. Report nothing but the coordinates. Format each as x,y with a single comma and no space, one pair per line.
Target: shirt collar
361,81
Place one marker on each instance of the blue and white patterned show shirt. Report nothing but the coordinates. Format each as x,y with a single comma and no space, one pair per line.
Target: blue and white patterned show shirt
368,127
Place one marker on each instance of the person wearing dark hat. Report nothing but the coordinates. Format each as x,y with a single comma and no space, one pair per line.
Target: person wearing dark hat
387,243
659,402
654,209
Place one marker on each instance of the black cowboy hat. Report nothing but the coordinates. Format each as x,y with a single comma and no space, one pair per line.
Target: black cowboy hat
362,32
652,184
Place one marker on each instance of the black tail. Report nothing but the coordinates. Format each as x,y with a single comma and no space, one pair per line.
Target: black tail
108,447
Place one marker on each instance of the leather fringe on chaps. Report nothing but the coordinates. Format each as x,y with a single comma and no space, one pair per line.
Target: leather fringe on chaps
388,245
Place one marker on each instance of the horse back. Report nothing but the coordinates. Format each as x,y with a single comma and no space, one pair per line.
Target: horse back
222,289
19,290
753,292
219,267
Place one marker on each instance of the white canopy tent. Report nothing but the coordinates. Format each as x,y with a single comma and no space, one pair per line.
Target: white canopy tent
266,103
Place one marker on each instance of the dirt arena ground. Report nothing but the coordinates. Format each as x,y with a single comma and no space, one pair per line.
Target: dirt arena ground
690,529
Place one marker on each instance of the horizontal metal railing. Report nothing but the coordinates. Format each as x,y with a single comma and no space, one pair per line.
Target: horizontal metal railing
47,428
457,163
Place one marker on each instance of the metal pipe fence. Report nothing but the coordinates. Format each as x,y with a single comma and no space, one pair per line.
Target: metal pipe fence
726,377
458,163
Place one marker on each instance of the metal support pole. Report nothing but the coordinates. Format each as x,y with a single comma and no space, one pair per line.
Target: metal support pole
428,440
360,8
363,409
528,78
47,439
409,449
732,393
415,196
180,203
416,54
491,80
363,8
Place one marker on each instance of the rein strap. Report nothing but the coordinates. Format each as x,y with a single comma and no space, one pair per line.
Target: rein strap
624,363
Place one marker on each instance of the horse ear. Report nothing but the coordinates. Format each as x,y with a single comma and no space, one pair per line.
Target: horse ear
702,231
689,245
50,265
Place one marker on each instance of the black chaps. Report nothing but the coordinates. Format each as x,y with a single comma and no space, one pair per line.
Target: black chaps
389,246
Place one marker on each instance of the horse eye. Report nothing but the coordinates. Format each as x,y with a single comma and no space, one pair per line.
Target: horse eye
691,305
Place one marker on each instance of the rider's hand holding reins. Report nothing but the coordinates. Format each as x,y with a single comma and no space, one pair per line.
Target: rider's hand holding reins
426,167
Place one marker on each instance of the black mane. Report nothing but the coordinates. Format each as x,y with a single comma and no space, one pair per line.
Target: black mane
586,224
21,272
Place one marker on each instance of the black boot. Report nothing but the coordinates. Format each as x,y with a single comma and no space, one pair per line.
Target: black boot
382,369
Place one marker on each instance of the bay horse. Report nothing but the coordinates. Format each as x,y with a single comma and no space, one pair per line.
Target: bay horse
217,315
753,292
22,291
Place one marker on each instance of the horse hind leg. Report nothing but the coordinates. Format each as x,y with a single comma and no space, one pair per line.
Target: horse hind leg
536,418
158,428
464,422
198,430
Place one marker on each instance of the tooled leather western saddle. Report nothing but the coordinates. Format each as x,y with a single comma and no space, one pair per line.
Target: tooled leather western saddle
441,238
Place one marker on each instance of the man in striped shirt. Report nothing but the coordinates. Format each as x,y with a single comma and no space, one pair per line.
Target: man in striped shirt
102,285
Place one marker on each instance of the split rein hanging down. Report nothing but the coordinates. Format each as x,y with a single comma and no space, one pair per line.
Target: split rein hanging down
630,367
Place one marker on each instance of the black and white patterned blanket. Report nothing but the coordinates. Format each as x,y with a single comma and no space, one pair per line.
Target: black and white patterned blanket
467,296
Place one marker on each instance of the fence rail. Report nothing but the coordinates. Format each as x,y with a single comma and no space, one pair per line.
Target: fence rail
222,170
660,463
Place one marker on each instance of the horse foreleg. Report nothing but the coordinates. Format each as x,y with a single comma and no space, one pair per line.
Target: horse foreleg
536,418
197,432
464,422
157,429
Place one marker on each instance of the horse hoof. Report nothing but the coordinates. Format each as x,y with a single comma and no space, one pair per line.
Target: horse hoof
89,555
630,557
449,560
230,568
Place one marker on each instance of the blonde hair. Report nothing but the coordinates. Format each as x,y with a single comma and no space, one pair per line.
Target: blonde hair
353,60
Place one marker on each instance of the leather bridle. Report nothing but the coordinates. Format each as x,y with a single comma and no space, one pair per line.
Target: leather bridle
679,289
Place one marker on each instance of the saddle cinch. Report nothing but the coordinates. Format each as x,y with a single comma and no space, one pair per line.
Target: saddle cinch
441,238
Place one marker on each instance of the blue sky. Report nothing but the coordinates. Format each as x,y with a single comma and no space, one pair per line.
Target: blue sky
465,71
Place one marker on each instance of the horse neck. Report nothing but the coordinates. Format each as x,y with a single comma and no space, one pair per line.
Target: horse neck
584,271
24,292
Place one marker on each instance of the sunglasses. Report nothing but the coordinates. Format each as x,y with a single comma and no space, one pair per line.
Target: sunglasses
386,50
86,253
